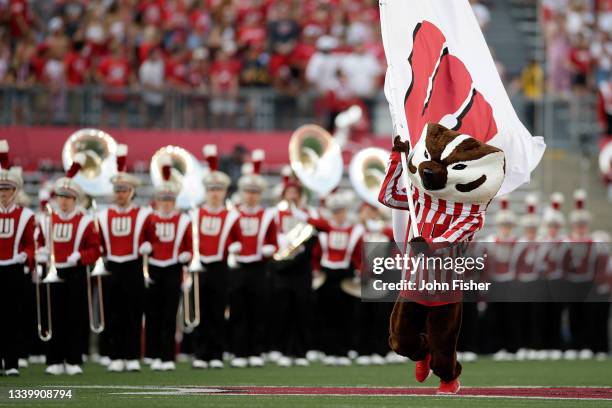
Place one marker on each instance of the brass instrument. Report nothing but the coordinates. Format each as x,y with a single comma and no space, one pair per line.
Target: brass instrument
101,164
98,272
193,272
51,277
186,172
367,173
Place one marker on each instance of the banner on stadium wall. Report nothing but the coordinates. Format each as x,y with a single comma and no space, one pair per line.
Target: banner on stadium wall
440,70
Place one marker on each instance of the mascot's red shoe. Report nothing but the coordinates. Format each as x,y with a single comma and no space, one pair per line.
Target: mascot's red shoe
449,388
422,370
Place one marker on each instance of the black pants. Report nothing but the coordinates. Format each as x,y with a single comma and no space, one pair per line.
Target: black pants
601,317
163,297
124,302
11,306
416,330
334,314
291,306
69,316
501,321
209,337
372,320
248,306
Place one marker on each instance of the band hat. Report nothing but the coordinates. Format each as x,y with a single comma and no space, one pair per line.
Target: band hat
553,214
11,177
123,177
168,187
214,178
66,186
339,200
505,215
530,219
251,179
580,214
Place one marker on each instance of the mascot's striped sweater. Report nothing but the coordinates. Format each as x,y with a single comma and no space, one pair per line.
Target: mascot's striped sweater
454,177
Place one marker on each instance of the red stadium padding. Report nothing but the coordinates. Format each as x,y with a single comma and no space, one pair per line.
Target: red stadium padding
31,145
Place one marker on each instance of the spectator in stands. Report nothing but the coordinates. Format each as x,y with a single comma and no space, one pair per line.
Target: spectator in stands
580,64
322,68
482,14
115,76
556,56
152,80
23,77
532,86
283,30
78,73
199,73
224,76
601,51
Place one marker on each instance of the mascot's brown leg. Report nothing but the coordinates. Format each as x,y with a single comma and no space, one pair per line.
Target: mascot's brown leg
407,336
415,330
443,325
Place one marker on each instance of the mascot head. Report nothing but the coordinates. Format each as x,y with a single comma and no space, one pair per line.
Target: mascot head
452,166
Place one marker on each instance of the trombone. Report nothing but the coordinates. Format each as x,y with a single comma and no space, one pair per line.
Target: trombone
51,277
193,272
98,272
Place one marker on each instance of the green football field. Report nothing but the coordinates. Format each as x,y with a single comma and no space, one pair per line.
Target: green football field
204,388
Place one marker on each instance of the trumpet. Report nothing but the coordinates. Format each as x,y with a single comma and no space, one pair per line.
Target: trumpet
51,277
193,272
98,272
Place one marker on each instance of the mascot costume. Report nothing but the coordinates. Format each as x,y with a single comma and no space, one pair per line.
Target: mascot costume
457,144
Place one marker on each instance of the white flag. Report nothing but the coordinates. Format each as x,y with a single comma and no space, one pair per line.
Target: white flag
440,70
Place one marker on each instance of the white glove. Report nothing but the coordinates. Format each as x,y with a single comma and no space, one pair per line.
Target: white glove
42,256
234,247
21,257
145,248
184,257
268,250
73,259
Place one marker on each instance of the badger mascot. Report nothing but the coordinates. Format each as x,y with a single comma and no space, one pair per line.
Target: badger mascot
453,177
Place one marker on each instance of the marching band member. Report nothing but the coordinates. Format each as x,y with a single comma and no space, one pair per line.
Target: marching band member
339,248
292,280
17,226
121,229
76,244
249,284
523,266
168,245
581,258
217,230
501,322
550,269
373,316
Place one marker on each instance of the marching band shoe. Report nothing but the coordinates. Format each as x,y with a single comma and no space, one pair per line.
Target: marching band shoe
22,363
313,355
104,361
532,354
585,354
601,356
199,364
459,356
132,366
73,369
148,360
330,360
422,370
554,354
377,359
449,388
116,366
12,372
40,359
393,358
343,361
156,365
215,364
168,366
284,361
521,354
503,355
256,361
239,362
570,355
274,355
301,362
469,356
363,360
55,369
